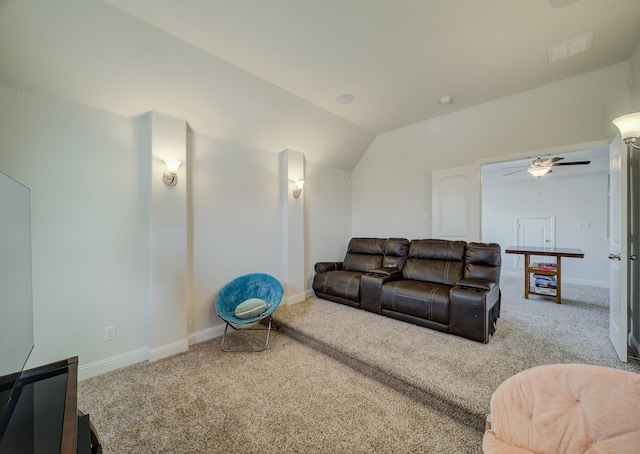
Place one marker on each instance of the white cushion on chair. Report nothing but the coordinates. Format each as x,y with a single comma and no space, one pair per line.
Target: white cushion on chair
251,308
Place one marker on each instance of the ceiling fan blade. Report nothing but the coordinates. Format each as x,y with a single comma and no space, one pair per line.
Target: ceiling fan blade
542,162
573,163
511,173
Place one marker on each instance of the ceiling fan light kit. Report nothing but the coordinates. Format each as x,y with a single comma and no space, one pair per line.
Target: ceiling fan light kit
539,172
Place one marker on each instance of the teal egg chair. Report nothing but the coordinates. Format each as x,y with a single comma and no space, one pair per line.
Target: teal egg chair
246,289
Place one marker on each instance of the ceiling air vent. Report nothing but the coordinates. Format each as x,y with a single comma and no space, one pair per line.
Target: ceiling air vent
570,48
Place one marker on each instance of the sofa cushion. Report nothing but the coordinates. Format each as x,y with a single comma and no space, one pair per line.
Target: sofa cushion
483,261
364,254
395,252
419,299
343,284
435,261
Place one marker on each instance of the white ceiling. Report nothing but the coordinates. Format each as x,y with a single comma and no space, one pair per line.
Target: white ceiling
267,73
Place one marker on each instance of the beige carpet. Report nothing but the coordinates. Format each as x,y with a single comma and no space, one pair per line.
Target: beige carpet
336,379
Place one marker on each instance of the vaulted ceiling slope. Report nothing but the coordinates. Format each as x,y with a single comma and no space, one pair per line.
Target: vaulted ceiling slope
267,73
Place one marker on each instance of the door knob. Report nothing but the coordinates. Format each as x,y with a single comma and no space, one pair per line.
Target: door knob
633,257
614,256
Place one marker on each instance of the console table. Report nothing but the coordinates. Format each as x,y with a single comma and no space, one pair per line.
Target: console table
45,417
557,253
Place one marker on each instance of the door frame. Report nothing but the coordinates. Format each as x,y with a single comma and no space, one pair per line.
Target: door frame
618,248
531,154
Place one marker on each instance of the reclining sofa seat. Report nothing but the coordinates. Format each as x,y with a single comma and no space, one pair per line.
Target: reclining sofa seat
450,286
340,281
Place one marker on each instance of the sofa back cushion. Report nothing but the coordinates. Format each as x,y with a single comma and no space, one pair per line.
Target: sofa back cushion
435,261
395,252
483,261
364,254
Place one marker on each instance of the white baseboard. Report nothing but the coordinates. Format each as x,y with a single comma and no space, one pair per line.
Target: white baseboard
146,354
168,350
566,280
206,334
293,299
113,363
634,344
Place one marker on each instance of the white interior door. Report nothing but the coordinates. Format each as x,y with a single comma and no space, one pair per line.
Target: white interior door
618,318
535,232
455,201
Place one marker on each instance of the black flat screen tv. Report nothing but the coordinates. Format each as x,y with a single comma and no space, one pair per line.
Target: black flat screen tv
16,307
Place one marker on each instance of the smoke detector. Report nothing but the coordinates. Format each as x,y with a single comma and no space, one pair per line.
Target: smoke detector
446,100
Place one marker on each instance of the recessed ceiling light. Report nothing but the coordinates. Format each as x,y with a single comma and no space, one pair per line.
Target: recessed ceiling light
446,100
345,98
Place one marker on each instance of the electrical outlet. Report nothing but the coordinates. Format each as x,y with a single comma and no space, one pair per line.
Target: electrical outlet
109,333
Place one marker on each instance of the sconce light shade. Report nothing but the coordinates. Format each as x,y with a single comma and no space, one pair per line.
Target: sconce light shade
539,172
170,176
297,189
629,126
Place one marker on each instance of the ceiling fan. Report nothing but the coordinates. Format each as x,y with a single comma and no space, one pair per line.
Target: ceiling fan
539,167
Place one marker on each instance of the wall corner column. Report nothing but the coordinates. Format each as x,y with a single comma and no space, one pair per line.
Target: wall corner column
292,169
167,306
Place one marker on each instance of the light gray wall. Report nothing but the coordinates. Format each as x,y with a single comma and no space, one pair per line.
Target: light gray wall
392,182
235,220
90,174
570,200
328,215
635,78
90,222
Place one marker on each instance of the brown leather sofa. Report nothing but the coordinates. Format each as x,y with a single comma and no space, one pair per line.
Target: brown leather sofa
450,286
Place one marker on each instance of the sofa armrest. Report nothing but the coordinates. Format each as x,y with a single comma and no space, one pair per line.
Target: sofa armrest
471,312
322,267
481,284
371,288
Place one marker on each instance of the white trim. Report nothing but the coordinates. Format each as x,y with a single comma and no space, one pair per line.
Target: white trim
168,350
293,299
633,343
145,354
569,280
566,280
206,334
115,362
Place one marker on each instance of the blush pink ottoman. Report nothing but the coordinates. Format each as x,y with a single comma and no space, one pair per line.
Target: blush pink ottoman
566,408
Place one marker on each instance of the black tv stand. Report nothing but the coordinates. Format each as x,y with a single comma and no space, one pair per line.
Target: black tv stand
45,418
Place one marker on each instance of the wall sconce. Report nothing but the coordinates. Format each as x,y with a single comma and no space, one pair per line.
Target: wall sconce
629,126
539,172
170,176
297,188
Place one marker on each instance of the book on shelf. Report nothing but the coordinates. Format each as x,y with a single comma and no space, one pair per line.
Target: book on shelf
543,283
543,280
543,266
546,291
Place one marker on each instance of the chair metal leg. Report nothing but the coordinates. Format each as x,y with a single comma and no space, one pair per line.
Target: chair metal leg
267,329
